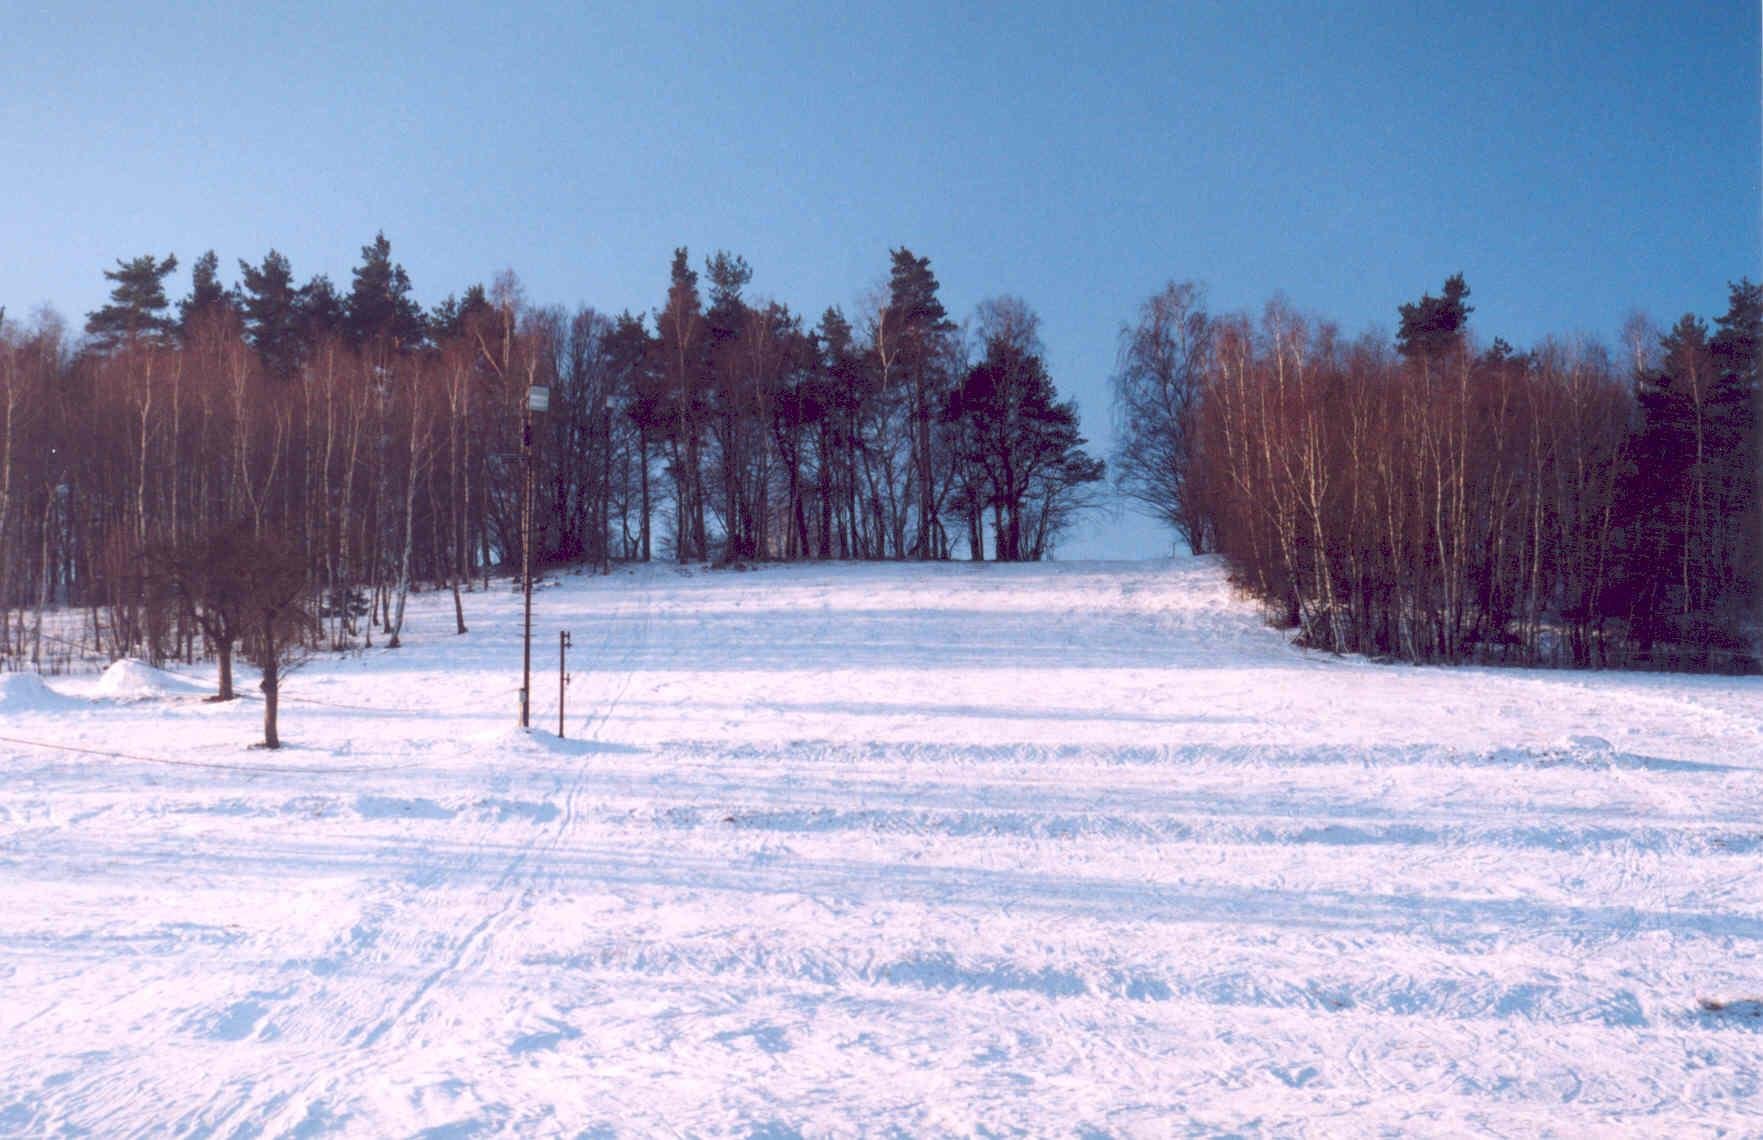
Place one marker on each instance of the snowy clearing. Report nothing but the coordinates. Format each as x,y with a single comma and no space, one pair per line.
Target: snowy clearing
1064,849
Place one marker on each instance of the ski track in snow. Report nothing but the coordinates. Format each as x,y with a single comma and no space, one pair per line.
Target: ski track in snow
914,850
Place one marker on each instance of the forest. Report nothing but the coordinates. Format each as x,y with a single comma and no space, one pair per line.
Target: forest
1440,500
279,462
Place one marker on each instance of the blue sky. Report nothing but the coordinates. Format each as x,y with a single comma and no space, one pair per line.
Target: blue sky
1574,161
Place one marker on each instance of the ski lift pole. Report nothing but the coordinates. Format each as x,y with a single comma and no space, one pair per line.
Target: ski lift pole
526,568
538,399
563,644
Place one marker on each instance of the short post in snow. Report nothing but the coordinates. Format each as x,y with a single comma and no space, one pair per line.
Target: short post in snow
563,644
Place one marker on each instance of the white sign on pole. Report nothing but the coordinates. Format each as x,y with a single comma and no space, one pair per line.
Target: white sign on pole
538,398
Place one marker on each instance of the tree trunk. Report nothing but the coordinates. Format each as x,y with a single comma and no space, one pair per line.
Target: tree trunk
643,479
397,623
271,690
224,653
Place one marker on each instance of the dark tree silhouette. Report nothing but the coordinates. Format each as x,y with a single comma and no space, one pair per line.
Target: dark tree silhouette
1020,442
912,335
380,304
207,297
1432,326
137,303
270,306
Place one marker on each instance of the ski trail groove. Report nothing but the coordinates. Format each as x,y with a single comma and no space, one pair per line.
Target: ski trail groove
474,948
469,951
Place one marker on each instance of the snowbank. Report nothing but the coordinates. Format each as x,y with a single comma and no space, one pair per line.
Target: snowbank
26,692
134,680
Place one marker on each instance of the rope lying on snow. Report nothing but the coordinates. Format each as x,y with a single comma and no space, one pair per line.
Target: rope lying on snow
245,694
214,764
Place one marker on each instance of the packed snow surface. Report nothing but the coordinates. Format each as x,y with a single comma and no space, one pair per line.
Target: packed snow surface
918,850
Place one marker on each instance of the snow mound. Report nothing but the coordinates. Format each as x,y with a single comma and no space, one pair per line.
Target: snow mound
26,692
134,680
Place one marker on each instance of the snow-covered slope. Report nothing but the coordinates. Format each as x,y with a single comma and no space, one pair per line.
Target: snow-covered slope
946,849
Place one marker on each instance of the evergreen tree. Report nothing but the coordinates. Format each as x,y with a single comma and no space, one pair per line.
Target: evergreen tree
728,274
270,305
380,304
920,327
847,387
1734,348
450,317
137,303
1689,573
321,310
633,358
679,328
1434,325
835,337
1739,327
207,294
912,294
1013,430
729,397
1738,436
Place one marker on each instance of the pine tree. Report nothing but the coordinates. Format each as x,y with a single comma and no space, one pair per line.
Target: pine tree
321,310
841,390
449,318
1738,440
633,358
1016,435
380,304
729,396
137,303
270,305
1672,520
920,327
679,330
1434,325
207,295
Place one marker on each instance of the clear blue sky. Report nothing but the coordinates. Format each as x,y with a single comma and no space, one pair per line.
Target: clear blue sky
1575,161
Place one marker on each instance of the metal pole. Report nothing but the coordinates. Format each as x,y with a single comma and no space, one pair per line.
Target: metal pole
526,570
562,677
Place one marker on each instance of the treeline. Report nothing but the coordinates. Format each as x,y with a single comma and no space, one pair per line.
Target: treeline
1438,501
381,445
